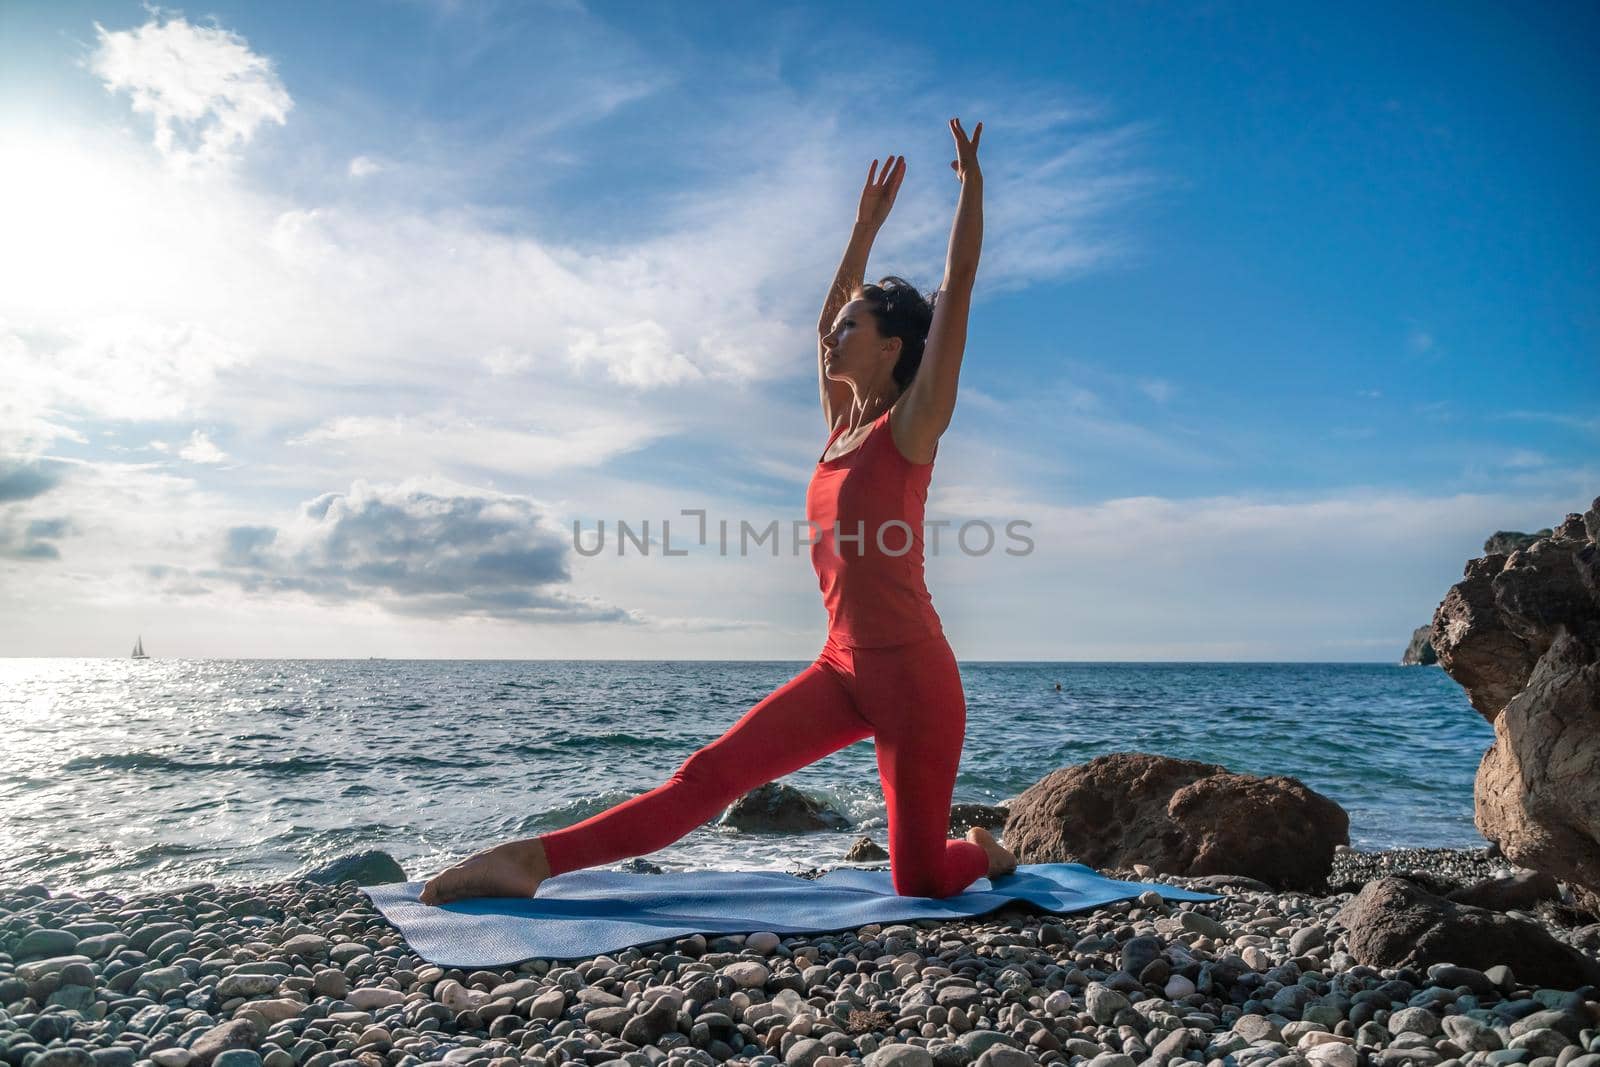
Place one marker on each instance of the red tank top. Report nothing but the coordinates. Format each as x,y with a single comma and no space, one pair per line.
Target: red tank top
872,584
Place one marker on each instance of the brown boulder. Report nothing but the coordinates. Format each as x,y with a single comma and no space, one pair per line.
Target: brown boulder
1179,817
1474,645
1521,633
1520,889
1395,923
1538,787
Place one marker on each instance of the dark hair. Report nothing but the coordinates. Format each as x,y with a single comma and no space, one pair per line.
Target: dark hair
900,311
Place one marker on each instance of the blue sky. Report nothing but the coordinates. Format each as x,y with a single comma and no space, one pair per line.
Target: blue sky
321,327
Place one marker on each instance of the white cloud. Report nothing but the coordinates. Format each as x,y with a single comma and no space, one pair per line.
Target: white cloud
638,354
579,438
200,449
364,166
122,367
203,87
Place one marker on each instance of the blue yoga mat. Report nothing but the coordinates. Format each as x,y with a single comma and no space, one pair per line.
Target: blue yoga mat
584,913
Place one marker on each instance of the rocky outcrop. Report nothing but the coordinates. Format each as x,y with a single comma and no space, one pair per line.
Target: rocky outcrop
1180,817
1395,923
1521,633
776,808
1419,653
1505,542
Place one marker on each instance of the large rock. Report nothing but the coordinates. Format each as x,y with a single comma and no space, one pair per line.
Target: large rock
779,808
1420,653
1395,923
364,868
1521,633
1180,817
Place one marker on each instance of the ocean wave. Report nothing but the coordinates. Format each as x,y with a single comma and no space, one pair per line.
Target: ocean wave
613,740
159,761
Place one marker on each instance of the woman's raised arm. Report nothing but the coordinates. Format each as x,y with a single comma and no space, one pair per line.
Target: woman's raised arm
930,399
876,200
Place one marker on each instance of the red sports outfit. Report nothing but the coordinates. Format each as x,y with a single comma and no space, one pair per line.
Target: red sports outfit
885,672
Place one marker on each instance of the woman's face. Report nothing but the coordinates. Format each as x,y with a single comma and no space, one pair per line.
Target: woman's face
854,351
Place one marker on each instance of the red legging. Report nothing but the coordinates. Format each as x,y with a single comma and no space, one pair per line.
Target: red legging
908,698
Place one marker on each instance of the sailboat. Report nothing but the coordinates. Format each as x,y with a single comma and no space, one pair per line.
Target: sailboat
138,648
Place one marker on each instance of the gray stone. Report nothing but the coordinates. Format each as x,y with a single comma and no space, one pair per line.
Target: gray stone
977,1042
1414,1021
609,1020
237,1057
897,1055
1139,952
548,1005
32,972
38,943
248,985
177,939
102,945
804,1053
309,945
66,1056
1569,1023
373,867
649,1026
1006,1056
235,1033
73,997
1543,1042
959,996
1103,1002
161,980
1470,1035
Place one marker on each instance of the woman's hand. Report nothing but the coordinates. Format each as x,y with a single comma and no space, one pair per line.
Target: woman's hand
966,162
878,196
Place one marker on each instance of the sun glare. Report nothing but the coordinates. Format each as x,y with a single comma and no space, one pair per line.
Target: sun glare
83,226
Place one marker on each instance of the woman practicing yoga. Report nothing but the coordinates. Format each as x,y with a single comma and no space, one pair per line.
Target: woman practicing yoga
887,363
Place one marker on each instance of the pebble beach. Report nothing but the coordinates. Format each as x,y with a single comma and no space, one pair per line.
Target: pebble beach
298,974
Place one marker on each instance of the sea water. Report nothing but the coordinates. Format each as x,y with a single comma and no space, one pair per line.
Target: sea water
142,773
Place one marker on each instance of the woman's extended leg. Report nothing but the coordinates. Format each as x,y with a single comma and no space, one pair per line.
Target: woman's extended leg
805,719
802,721
912,695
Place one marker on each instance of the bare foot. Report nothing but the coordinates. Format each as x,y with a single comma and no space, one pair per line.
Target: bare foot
1001,861
513,869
